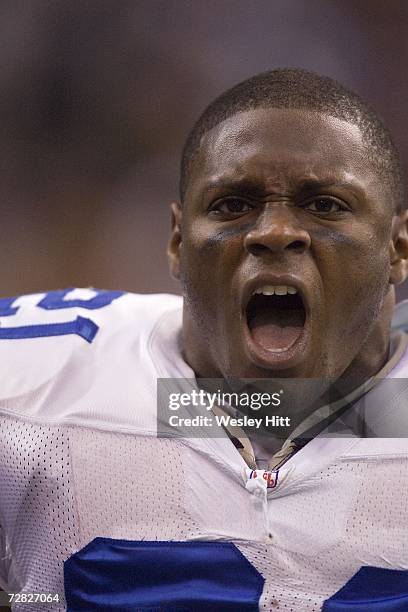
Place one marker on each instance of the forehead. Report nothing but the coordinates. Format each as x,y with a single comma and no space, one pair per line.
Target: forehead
273,146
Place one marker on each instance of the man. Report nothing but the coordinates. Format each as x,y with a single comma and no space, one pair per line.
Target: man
288,240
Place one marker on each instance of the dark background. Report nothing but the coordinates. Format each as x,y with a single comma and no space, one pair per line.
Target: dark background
96,98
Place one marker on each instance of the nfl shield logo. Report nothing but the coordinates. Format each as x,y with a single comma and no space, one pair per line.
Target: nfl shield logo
269,476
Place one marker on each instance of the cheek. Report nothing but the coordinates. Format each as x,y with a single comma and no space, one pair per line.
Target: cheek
354,274
209,259
356,255
355,269
211,254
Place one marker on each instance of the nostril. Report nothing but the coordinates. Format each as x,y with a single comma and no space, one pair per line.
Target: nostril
297,245
275,240
257,249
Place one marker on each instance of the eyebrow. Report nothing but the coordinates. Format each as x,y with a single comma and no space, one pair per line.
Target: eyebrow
305,186
312,184
240,184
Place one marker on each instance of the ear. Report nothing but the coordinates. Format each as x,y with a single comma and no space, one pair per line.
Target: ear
174,246
399,249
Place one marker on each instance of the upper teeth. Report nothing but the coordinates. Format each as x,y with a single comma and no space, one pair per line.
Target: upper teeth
276,290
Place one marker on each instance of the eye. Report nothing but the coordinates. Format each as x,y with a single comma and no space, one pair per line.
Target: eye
231,207
324,205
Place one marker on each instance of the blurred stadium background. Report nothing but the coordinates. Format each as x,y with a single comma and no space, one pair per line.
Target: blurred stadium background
97,98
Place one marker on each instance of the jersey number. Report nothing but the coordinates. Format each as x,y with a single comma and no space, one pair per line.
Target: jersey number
54,300
126,576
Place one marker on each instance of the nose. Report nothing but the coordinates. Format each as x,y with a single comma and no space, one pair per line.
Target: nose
277,230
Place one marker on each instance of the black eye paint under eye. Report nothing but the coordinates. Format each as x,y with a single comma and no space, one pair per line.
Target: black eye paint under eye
319,233
224,234
328,234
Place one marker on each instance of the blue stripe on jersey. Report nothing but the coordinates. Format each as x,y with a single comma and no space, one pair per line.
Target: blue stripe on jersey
125,575
372,589
6,310
54,300
80,326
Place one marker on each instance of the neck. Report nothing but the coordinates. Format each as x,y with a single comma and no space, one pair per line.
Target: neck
374,353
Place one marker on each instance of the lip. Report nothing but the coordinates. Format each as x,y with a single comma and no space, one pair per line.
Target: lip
283,358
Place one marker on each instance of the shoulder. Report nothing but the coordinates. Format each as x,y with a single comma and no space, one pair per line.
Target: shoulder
36,315
72,342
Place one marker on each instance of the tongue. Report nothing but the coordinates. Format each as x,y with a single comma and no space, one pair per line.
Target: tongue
276,330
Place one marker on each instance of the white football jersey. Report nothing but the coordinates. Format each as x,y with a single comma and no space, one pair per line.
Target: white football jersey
97,509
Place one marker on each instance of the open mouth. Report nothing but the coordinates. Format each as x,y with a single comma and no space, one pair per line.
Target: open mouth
276,317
